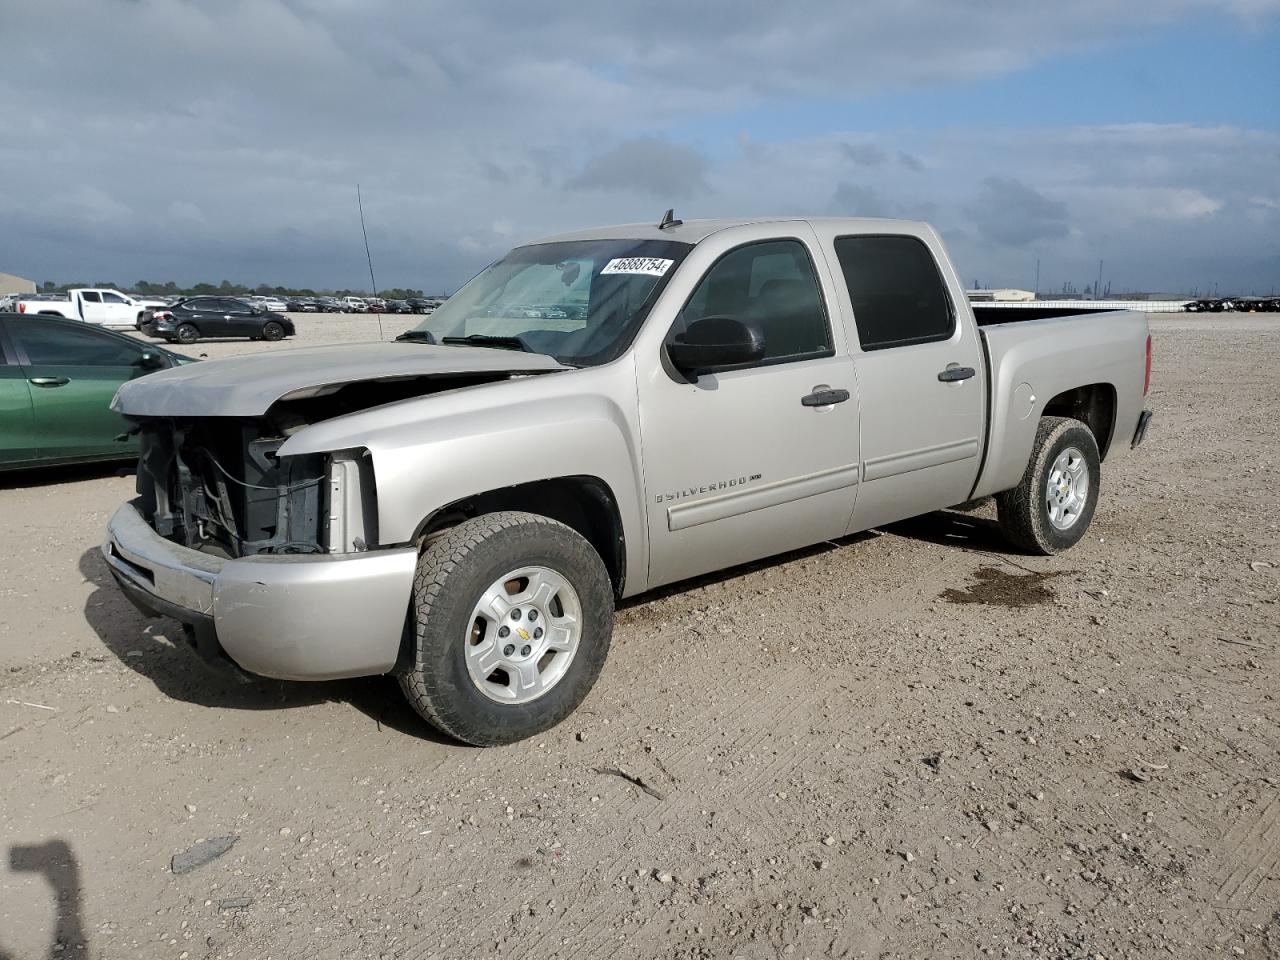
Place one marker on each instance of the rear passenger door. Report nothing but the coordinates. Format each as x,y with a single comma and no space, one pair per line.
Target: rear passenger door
920,375
17,443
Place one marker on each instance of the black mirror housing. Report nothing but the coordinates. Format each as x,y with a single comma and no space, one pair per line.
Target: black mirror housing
151,361
715,343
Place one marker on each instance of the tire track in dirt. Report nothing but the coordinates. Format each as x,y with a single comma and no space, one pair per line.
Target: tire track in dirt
1252,851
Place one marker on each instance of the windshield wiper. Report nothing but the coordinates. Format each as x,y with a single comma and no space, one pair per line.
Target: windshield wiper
418,336
484,340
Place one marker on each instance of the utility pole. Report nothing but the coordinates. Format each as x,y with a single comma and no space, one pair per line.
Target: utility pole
1097,287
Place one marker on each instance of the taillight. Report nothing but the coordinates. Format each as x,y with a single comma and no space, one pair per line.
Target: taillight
22,308
1146,381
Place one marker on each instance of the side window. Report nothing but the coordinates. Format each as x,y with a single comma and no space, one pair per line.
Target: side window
897,292
50,343
772,287
91,296
108,297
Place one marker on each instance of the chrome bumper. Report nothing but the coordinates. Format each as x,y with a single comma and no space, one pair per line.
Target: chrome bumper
303,617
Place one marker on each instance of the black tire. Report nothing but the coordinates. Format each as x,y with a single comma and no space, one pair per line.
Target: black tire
1024,510
187,333
453,573
272,330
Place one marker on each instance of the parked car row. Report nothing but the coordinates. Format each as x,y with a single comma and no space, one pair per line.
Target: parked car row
349,304
1235,305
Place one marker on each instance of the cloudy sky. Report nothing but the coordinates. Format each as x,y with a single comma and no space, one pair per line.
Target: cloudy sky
218,139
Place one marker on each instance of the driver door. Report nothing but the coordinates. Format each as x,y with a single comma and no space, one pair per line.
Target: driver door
73,373
746,463
117,311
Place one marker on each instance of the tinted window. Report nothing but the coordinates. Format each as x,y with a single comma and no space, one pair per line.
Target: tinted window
57,343
91,296
897,292
769,286
112,298
201,303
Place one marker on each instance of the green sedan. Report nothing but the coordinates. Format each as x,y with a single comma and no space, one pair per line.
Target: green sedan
57,378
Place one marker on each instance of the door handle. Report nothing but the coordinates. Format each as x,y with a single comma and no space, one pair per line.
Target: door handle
50,381
956,374
825,397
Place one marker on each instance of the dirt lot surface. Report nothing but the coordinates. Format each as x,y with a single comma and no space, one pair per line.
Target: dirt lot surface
912,743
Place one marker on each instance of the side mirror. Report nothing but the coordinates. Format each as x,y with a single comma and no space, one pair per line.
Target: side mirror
151,361
715,343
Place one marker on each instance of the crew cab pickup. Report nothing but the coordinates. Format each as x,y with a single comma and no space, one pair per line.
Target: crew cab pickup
595,415
107,308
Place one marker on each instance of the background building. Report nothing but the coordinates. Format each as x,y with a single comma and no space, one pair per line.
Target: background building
11,284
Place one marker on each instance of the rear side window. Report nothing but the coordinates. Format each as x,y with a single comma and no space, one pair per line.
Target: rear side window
770,286
55,344
91,296
897,292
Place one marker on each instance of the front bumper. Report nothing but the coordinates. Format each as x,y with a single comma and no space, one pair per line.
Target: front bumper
292,617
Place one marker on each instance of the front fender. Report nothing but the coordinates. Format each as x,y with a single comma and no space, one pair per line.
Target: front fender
436,450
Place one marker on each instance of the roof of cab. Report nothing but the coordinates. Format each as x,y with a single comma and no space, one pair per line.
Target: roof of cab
694,231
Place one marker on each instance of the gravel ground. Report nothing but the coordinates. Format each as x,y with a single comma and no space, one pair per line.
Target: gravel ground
910,743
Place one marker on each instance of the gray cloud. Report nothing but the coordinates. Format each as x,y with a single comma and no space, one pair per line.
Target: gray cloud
1010,212
199,139
852,200
910,161
647,165
864,154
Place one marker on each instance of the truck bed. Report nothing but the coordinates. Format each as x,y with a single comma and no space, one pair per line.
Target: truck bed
1032,359
989,316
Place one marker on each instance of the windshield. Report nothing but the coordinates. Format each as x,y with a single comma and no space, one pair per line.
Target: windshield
579,301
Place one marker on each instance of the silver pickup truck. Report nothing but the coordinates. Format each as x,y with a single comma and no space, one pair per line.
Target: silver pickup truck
592,416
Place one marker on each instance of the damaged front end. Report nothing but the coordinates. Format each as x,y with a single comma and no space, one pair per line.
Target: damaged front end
218,485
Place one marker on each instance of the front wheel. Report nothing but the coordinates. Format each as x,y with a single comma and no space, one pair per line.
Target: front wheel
187,333
513,614
271,330
1052,507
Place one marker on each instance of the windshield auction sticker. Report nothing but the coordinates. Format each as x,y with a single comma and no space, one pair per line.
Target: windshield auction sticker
645,266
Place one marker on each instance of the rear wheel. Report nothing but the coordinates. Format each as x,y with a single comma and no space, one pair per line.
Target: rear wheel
513,618
271,330
1053,505
187,333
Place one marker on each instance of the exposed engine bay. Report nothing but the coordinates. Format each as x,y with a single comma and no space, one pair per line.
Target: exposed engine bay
217,484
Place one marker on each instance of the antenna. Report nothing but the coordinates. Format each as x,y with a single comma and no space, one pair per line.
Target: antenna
669,220
368,256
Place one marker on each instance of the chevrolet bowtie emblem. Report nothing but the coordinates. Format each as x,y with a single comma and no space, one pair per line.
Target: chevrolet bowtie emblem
524,634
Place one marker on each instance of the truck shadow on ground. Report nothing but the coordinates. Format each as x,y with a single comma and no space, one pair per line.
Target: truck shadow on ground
55,861
955,528
70,473
157,649
952,528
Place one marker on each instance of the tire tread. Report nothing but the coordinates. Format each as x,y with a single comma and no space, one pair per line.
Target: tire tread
426,690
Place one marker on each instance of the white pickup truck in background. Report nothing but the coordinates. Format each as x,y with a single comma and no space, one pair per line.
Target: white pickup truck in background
101,306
